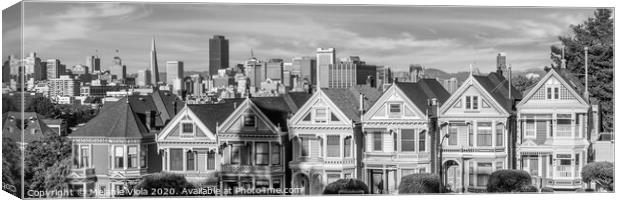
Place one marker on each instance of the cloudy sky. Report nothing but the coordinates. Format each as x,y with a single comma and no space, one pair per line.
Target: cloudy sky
447,38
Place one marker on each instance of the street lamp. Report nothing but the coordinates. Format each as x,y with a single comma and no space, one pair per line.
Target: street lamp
441,187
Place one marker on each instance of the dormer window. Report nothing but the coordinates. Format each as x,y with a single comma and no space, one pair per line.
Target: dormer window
553,92
249,120
320,115
471,102
395,109
187,128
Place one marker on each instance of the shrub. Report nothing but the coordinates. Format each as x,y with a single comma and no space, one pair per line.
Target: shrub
508,181
419,183
352,186
164,180
528,188
547,189
602,173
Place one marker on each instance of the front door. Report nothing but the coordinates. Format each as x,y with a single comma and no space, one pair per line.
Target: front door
376,181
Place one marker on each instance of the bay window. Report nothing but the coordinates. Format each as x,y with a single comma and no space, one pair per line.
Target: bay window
452,135
275,154
119,154
305,146
347,147
85,153
176,160
143,153
211,161
499,135
563,127
262,153
377,137
132,157
485,134
190,161
422,141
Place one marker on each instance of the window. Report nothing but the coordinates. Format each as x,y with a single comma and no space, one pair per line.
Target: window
422,141
483,173
484,134
347,147
305,146
563,128
549,94
471,102
76,156
377,141
262,153
85,161
236,155
406,172
132,157
187,128
452,135
347,175
176,159
275,153
118,157
534,166
320,115
332,178
262,183
333,146
499,165
249,120
276,183
395,140
499,135
143,152
211,161
553,92
530,128
190,159
422,170
471,173
407,140
483,179
395,109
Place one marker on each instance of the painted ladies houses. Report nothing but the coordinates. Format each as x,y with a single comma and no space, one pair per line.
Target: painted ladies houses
114,150
327,139
477,122
397,140
237,143
553,137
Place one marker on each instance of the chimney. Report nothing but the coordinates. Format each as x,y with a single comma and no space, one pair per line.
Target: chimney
510,82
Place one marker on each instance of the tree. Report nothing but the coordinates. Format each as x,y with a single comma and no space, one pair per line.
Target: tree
41,105
346,186
56,177
8,104
419,183
156,181
523,83
508,180
11,167
597,34
42,154
602,173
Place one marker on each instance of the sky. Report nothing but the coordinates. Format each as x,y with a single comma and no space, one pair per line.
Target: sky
446,38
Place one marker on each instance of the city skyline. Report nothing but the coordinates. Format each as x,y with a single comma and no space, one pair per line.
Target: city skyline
446,38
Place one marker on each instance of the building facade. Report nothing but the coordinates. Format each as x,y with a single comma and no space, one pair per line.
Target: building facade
218,54
553,133
325,58
64,86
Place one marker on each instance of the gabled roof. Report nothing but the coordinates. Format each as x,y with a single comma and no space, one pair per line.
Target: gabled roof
213,114
496,85
118,120
422,91
564,76
298,99
275,108
165,101
34,127
348,99
573,81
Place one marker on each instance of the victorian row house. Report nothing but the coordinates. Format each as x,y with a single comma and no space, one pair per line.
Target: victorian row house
555,124
236,143
476,126
116,149
327,138
397,141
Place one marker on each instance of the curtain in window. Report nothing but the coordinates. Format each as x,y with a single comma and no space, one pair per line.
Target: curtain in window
176,159
333,146
262,153
407,140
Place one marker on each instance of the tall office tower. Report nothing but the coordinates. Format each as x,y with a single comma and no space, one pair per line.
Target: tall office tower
144,77
384,77
416,72
218,54
451,85
197,87
118,69
501,63
255,71
305,69
174,70
64,86
33,69
93,63
54,69
274,69
342,74
154,70
6,72
325,58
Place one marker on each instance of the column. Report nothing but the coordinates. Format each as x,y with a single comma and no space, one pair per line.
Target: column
79,156
163,161
184,160
572,125
125,157
90,157
493,133
252,154
168,159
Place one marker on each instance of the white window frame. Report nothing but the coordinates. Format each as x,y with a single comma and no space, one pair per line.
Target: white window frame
470,106
395,114
249,115
315,119
554,93
182,133
529,130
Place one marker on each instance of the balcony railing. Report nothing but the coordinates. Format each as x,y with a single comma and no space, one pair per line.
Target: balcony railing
564,130
564,171
339,161
250,168
474,149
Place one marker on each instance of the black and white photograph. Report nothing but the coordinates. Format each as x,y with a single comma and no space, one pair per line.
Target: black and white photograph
155,99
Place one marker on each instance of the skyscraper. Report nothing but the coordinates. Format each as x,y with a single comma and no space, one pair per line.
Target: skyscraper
93,63
54,69
118,69
501,62
325,57
34,68
174,70
274,70
144,77
154,70
218,54
305,69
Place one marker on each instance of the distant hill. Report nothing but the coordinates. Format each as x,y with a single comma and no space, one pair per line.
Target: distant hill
462,76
